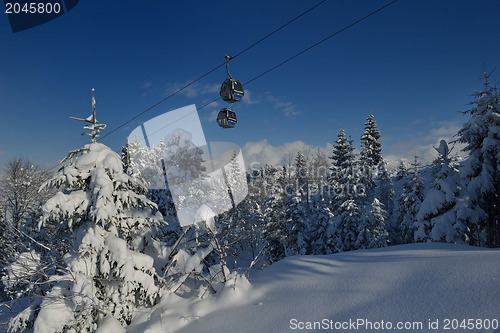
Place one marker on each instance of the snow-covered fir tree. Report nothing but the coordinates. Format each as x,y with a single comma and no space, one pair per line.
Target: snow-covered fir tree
348,193
342,166
297,225
322,224
348,219
385,187
302,174
301,168
402,173
108,272
372,231
276,229
272,197
437,210
409,203
370,156
370,147
479,207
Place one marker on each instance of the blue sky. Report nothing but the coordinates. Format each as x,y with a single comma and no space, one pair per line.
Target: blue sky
415,65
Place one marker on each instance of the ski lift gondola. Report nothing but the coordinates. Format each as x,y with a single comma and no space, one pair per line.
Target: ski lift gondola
231,91
226,118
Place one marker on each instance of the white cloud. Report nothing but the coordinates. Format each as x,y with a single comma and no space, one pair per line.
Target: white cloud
212,116
262,152
250,99
194,90
423,145
146,84
287,107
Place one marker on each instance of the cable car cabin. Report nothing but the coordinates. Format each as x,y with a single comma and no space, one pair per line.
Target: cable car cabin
231,91
226,118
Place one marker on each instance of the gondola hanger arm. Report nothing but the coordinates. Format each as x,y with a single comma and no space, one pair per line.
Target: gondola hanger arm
228,58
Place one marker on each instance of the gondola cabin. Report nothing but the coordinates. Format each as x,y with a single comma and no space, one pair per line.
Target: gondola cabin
231,91
226,118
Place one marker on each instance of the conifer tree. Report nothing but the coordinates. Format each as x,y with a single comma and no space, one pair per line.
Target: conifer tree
349,218
302,176
109,272
437,210
276,228
372,231
348,194
402,172
301,169
297,226
478,207
370,154
370,157
343,178
385,189
322,235
409,203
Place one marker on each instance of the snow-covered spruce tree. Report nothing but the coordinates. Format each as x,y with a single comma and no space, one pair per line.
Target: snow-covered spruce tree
348,193
301,170
343,166
108,273
302,175
385,191
323,227
348,218
275,230
479,207
409,202
297,225
437,210
402,173
372,230
370,147
370,156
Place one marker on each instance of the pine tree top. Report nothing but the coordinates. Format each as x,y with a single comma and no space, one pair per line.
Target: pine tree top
94,187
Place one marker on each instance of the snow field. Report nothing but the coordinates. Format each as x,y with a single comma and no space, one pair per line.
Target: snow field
407,283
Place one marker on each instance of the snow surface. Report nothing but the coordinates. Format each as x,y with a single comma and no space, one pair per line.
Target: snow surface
414,282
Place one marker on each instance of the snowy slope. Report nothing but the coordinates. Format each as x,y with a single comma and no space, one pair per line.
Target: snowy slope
412,283
406,283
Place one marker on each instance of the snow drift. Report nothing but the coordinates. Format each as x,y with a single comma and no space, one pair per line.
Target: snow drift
414,283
